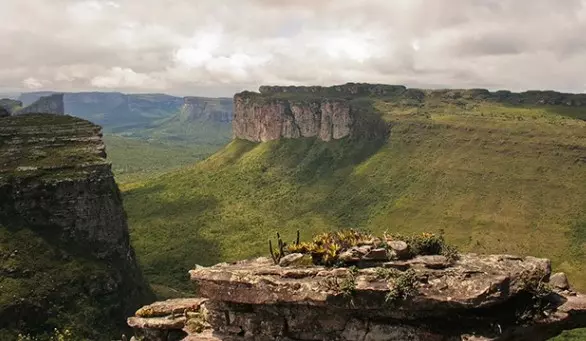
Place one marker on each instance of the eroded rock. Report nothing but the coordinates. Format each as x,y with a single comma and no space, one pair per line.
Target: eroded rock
559,281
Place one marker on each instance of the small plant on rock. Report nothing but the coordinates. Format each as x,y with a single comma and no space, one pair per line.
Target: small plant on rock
402,286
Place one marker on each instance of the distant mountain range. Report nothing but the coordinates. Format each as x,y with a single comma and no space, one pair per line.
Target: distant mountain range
117,111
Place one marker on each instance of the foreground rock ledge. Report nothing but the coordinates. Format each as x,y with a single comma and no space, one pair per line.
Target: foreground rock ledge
494,297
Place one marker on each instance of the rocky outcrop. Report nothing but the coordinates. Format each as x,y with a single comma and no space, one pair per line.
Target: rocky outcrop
208,109
261,118
56,184
52,104
476,297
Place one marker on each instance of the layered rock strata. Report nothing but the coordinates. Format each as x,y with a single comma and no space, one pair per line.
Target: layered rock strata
331,113
478,297
57,187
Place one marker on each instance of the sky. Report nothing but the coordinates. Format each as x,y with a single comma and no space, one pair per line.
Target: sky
218,47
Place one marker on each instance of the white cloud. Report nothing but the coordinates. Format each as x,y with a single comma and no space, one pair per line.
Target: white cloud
118,77
34,83
189,47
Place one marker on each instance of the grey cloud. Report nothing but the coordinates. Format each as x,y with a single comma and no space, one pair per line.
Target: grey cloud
215,48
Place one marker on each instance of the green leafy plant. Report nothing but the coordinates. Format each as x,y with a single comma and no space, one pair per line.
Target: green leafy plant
402,287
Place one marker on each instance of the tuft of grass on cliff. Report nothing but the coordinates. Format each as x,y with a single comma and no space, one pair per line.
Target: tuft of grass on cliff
495,178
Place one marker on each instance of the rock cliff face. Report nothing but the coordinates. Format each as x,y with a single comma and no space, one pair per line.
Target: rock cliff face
52,104
330,113
209,109
425,298
63,234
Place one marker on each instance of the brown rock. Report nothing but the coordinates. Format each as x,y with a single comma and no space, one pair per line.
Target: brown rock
169,307
400,249
295,259
379,254
254,300
559,281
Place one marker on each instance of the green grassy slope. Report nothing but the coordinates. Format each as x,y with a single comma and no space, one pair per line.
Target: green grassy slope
174,130
496,178
572,335
43,285
136,159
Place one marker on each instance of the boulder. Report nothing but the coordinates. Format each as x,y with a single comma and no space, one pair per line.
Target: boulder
559,281
399,248
378,254
295,259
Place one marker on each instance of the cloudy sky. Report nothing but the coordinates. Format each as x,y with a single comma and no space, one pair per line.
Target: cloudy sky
217,47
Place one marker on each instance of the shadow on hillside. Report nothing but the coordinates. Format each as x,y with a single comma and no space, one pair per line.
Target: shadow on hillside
312,159
161,251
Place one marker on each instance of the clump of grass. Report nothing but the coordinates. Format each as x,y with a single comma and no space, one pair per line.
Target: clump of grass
342,285
403,286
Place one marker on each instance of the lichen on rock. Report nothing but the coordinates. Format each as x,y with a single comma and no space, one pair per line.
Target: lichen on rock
422,296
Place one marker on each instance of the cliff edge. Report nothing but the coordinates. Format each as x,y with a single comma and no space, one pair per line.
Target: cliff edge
336,112
65,255
348,286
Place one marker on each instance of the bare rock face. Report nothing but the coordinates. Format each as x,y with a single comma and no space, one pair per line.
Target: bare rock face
478,297
52,104
208,109
56,183
266,117
331,113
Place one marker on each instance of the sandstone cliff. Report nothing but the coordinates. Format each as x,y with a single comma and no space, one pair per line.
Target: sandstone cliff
335,112
208,109
52,104
379,290
65,253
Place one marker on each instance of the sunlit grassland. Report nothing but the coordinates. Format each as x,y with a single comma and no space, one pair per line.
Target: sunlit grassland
496,179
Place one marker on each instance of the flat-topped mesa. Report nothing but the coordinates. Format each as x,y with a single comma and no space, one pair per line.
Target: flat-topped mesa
336,112
52,104
293,112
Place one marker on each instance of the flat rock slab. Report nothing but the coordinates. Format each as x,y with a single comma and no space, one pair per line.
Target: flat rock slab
473,281
169,307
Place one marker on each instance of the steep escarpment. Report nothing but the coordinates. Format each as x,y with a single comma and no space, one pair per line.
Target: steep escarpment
264,117
52,104
206,109
331,113
65,254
